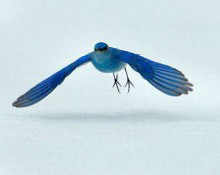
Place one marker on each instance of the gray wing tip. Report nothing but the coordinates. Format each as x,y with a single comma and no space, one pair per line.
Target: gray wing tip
16,104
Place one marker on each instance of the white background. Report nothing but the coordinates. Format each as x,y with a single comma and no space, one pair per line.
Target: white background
85,127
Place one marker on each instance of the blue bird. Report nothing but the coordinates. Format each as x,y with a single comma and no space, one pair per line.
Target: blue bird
111,60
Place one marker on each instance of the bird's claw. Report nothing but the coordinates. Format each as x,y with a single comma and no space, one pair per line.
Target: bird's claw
116,83
129,83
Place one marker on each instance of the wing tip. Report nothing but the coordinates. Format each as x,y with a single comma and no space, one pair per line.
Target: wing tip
15,104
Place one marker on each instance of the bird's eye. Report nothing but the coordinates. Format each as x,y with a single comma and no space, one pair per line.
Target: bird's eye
101,49
104,48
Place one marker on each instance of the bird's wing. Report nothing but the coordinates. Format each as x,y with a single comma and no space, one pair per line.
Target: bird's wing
165,78
45,87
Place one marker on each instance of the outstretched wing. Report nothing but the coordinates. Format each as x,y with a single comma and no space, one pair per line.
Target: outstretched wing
45,87
165,78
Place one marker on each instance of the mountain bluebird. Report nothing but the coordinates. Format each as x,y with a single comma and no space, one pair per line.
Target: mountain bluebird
111,60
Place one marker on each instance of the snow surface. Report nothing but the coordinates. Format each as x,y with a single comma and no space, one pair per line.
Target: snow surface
85,127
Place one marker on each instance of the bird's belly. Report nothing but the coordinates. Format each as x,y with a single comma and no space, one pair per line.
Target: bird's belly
108,65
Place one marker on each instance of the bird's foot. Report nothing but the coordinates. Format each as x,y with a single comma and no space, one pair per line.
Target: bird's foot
116,83
129,83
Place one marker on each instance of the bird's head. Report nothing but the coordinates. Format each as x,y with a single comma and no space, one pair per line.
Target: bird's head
101,47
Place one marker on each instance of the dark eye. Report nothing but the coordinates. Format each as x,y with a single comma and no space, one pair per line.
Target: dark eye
101,49
104,48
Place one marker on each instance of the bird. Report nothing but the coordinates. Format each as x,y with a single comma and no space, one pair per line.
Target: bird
107,59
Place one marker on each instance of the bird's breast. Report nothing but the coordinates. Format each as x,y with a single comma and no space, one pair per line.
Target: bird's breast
107,63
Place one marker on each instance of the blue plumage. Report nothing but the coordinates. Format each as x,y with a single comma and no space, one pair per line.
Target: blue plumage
165,78
44,88
111,60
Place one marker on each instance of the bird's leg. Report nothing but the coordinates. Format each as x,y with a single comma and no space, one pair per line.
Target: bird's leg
128,83
116,83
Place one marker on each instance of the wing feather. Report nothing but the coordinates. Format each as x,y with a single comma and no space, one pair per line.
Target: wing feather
41,90
165,78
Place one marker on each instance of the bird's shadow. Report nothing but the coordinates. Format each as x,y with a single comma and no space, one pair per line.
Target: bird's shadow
132,116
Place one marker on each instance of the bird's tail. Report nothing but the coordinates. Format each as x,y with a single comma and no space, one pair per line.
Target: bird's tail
166,79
